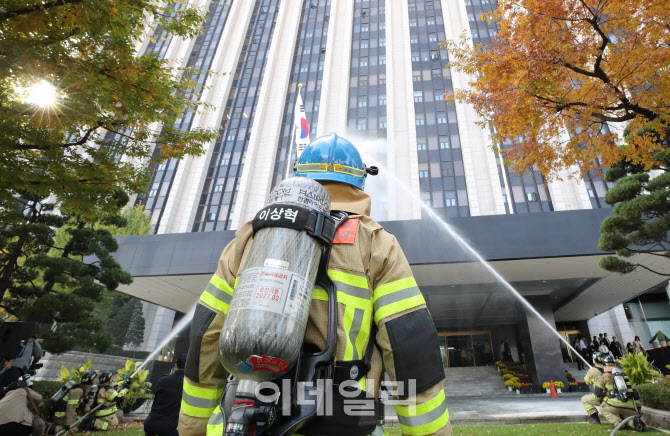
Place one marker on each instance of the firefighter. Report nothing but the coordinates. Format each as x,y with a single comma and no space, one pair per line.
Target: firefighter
380,309
73,404
108,416
619,399
591,401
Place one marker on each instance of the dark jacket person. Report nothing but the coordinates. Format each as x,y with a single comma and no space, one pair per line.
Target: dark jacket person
164,415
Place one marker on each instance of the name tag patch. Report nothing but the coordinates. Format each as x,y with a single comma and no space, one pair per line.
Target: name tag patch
346,234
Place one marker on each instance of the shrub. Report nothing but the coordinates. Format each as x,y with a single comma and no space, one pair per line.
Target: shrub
637,368
511,382
508,376
655,395
559,385
46,389
546,385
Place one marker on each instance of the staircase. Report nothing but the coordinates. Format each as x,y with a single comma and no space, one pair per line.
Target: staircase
480,381
578,375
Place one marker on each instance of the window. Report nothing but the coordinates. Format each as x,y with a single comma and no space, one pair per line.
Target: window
434,55
416,58
444,142
362,124
441,118
423,174
382,123
421,144
382,42
363,81
153,192
475,35
307,51
591,193
211,216
412,23
430,21
414,40
382,79
450,198
364,43
304,69
532,196
363,62
382,100
363,101
432,37
218,188
382,60
365,28
416,76
420,120
471,17
162,166
418,96
436,74
382,27
439,95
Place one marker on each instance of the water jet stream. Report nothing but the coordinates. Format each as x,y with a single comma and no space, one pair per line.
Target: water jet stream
463,243
186,319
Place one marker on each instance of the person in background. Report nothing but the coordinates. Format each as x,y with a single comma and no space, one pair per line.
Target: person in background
630,349
595,344
164,415
584,349
604,349
19,415
580,364
606,339
616,349
31,354
638,346
9,377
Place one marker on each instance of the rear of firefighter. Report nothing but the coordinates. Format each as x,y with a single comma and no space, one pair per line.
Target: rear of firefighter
107,414
383,324
73,403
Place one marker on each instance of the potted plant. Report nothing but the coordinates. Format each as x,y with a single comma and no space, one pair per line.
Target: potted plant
559,385
547,387
511,383
662,340
637,369
517,386
139,389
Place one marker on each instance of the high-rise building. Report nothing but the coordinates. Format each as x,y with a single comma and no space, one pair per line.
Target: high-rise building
375,72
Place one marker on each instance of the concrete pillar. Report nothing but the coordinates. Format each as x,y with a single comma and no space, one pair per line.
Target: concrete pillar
541,347
402,159
256,180
336,70
182,203
479,161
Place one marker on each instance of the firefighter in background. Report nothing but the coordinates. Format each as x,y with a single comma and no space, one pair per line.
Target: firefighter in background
620,399
591,401
380,309
73,404
109,415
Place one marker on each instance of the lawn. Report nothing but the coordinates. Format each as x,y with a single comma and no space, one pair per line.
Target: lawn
484,430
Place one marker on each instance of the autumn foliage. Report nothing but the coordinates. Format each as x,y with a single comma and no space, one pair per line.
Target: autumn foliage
560,69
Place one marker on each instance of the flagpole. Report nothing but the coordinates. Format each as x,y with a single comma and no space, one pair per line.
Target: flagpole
290,149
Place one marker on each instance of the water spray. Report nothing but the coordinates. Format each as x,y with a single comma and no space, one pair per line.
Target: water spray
463,243
175,331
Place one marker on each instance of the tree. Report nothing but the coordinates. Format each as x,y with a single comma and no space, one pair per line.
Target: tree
640,219
58,286
69,161
127,326
135,334
559,70
107,100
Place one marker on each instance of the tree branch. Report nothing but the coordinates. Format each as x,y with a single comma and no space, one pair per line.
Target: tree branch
651,270
37,7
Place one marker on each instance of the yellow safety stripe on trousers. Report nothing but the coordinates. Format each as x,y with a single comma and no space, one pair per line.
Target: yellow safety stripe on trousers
218,294
428,417
199,402
59,414
73,401
215,423
105,425
615,402
106,412
589,408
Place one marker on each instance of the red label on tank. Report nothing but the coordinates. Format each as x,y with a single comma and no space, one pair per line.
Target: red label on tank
268,363
346,233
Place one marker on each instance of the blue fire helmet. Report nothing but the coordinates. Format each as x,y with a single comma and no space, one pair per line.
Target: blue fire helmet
335,159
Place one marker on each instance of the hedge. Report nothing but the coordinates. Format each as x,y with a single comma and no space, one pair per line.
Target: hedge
655,395
46,389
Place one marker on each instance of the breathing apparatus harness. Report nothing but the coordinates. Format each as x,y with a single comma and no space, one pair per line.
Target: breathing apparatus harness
249,416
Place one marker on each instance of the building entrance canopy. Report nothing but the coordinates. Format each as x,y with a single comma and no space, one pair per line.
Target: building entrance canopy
551,255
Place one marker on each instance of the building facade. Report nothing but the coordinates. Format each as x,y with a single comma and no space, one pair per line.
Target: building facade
376,72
